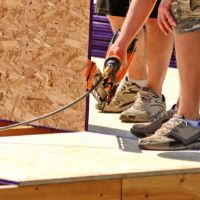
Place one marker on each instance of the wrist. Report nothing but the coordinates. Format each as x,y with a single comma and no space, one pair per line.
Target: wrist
121,43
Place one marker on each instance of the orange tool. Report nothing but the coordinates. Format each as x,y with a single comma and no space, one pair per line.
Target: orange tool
112,74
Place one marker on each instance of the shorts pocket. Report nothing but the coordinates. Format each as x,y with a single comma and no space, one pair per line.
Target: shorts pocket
180,9
195,7
183,9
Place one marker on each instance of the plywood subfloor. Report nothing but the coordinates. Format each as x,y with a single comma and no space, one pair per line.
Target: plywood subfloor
85,156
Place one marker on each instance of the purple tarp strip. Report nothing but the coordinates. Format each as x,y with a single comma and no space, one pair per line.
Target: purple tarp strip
98,53
99,36
8,182
101,44
99,18
102,27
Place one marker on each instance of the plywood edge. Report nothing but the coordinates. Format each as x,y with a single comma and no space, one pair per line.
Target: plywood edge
107,177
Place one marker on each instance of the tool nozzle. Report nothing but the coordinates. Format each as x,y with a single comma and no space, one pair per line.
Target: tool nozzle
112,65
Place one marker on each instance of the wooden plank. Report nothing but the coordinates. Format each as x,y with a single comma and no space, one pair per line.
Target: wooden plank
171,187
43,58
25,130
93,190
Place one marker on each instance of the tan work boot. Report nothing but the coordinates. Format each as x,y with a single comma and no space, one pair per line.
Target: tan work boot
125,96
147,129
147,106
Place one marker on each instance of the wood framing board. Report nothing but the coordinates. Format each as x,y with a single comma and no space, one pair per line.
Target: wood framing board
43,58
171,187
84,156
25,130
92,190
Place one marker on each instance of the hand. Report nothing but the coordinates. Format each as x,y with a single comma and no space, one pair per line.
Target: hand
120,51
165,20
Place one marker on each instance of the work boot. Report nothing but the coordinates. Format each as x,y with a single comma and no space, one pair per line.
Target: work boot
147,129
175,134
147,106
123,99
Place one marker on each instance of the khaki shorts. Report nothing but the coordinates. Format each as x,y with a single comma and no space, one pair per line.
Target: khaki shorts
187,15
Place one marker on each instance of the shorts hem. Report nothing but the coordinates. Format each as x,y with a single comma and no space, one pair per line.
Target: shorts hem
180,31
104,11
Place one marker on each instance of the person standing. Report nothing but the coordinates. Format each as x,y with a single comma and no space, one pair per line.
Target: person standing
182,17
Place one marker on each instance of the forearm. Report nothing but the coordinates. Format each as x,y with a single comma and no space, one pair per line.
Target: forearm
137,15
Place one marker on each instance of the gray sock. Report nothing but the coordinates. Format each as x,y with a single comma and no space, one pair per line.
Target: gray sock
194,123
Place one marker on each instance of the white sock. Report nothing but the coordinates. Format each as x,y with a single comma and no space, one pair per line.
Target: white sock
141,83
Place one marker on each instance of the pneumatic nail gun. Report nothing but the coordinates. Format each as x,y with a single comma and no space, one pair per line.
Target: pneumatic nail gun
112,74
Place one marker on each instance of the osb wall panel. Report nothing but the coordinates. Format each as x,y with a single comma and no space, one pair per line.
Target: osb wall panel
43,56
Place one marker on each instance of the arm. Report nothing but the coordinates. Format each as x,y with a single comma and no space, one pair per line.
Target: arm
137,15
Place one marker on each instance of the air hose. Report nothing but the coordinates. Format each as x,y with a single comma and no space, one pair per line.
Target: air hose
3,128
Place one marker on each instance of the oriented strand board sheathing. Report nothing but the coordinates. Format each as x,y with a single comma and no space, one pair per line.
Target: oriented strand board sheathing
43,56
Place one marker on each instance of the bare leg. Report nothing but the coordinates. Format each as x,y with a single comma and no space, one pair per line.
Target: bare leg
157,65
187,50
115,22
127,91
137,69
159,50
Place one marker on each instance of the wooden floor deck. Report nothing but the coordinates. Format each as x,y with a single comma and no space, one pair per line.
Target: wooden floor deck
94,166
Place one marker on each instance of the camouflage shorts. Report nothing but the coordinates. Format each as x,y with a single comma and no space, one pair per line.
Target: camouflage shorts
187,15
